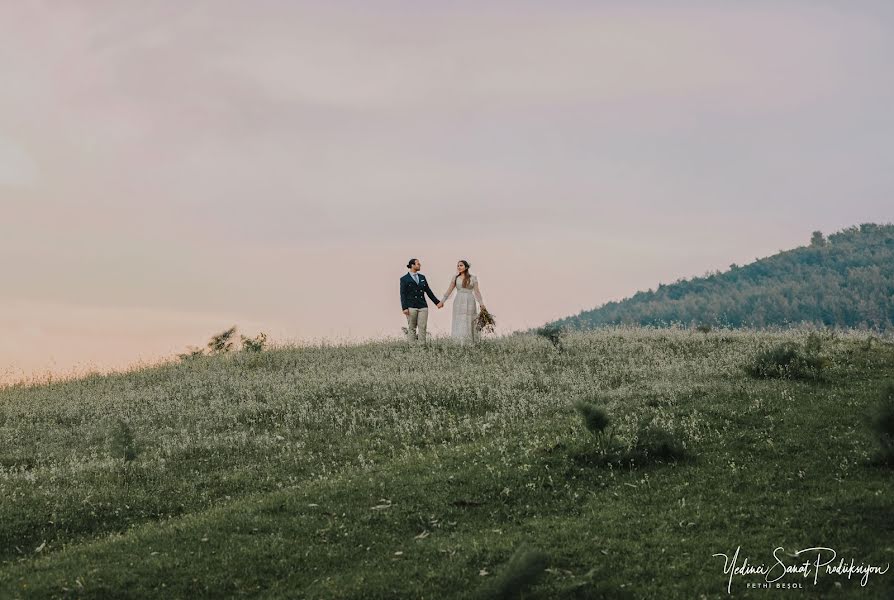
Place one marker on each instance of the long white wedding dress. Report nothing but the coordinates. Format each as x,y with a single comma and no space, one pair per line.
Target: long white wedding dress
465,310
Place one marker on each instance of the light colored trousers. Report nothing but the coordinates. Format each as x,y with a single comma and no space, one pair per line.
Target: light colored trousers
417,317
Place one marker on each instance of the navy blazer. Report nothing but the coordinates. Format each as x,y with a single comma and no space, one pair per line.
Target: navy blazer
412,295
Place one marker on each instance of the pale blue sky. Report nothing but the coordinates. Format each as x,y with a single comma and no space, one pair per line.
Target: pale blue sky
167,171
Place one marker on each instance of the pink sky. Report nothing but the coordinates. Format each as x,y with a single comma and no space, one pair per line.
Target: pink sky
168,169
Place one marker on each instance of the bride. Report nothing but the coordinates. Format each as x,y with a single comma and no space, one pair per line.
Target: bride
464,310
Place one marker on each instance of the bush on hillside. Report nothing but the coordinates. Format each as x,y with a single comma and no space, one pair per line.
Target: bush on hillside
651,443
222,342
596,420
551,333
122,443
123,446
191,353
255,344
656,443
788,361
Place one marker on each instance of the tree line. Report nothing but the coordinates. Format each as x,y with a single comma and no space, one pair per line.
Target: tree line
843,280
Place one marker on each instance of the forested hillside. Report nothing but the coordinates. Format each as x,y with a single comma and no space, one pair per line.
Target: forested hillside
845,280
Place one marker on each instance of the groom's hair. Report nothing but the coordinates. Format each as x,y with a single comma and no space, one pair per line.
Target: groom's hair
410,262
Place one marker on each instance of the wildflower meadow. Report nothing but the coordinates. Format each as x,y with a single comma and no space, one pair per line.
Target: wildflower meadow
616,463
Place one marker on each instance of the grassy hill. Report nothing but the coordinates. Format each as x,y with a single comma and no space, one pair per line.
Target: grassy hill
845,280
377,471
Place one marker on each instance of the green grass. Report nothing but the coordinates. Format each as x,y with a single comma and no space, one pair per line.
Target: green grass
380,471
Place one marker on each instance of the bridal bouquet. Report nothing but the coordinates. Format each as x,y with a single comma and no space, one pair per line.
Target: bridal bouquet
485,321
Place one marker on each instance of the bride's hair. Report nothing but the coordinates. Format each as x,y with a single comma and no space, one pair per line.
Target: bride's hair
466,275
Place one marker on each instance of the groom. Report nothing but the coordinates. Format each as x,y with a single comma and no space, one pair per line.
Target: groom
413,286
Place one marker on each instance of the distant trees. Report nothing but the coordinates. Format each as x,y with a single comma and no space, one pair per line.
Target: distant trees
844,280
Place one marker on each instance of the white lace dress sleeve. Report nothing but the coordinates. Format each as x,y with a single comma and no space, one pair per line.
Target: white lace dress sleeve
449,291
476,290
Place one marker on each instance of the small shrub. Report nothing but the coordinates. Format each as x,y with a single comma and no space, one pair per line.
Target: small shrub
552,333
657,443
596,420
883,424
518,574
866,346
788,361
255,344
122,443
814,344
703,328
595,417
651,443
222,342
191,353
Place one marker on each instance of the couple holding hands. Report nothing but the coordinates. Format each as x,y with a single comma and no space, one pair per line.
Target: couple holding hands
414,287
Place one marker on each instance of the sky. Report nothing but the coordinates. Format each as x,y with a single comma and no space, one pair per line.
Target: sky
169,169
